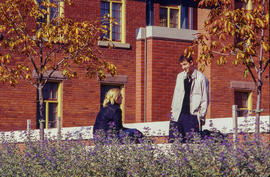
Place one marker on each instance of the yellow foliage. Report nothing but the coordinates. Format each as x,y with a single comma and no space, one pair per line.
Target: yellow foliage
51,43
249,28
265,46
267,18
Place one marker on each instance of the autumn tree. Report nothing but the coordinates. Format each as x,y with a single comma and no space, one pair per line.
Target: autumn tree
241,33
37,41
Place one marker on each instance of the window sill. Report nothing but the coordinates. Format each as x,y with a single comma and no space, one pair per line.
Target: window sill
57,75
165,32
114,44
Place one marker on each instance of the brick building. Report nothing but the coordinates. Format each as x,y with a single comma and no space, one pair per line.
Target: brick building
146,48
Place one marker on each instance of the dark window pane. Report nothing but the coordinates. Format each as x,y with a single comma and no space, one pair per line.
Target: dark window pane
116,35
105,11
105,8
50,90
184,17
52,115
42,20
116,10
190,18
239,4
44,114
173,18
116,14
241,100
163,17
54,12
106,27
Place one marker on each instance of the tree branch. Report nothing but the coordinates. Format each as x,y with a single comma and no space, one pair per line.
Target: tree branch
256,69
252,75
66,58
16,28
51,52
21,76
5,67
29,81
261,49
265,66
266,77
34,64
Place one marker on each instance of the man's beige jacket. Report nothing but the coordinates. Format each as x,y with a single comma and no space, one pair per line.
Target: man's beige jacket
199,95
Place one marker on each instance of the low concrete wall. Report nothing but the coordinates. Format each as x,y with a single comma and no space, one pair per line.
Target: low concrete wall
225,125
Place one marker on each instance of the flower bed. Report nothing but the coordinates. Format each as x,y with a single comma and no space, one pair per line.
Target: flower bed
208,157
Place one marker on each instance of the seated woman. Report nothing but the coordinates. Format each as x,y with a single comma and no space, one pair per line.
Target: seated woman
109,119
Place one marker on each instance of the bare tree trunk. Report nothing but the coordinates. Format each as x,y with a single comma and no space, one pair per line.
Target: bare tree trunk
258,109
260,83
41,112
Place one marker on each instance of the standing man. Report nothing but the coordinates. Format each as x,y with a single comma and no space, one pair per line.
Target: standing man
190,101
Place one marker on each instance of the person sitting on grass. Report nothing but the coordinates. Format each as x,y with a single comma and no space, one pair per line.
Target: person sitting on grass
109,119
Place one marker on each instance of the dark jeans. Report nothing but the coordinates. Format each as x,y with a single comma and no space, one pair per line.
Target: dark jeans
134,134
185,124
105,137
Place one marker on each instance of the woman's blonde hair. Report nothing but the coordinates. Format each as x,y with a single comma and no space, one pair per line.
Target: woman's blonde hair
111,96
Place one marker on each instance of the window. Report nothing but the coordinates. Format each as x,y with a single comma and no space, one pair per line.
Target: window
174,18
115,27
105,88
52,103
238,4
187,17
243,99
53,12
177,17
163,17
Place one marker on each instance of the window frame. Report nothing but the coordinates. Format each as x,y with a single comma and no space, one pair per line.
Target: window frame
190,16
60,10
168,14
122,20
249,102
49,101
238,4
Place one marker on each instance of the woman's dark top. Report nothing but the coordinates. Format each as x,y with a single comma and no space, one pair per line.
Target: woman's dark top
109,118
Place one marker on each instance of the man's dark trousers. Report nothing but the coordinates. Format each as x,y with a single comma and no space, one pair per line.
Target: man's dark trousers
185,124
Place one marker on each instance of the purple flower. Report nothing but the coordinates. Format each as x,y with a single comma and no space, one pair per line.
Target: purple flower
221,156
27,155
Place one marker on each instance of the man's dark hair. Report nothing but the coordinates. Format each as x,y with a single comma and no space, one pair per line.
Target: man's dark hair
183,58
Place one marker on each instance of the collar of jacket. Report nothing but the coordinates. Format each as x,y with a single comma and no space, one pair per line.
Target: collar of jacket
193,75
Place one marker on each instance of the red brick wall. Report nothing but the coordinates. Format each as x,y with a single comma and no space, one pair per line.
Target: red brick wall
81,96
140,65
162,70
222,95
16,106
82,104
